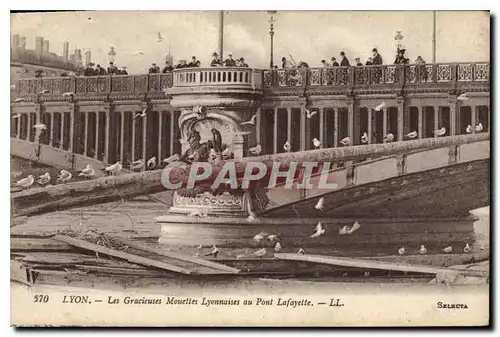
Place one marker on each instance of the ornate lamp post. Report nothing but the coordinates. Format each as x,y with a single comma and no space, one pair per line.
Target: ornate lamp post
399,39
271,34
112,54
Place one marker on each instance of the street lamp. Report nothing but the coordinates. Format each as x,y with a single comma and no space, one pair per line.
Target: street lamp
399,39
271,34
112,54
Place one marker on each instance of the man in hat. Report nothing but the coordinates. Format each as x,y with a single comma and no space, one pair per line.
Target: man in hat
182,64
285,63
123,71
242,63
400,58
168,68
112,69
344,62
369,62
334,62
89,71
230,62
154,69
325,64
100,71
215,61
358,62
377,58
194,63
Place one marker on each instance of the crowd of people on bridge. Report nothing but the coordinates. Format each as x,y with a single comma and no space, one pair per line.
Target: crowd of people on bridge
195,63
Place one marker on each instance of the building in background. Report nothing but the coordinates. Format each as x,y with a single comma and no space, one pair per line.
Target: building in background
88,57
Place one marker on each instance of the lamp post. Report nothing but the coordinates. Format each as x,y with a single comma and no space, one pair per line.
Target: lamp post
112,54
399,39
271,34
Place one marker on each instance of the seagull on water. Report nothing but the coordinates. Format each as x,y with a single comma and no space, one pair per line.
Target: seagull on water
479,127
215,251
448,249
422,250
151,163
316,143
115,168
260,236
467,248
320,205
138,164
319,231
64,176
401,251
379,107
87,172
142,114
389,138
346,141
469,129
44,179
277,247
440,132
26,182
256,150
252,121
309,114
412,135
364,138
260,252
287,146
171,159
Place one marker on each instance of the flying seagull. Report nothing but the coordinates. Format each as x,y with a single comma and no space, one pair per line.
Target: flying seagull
252,121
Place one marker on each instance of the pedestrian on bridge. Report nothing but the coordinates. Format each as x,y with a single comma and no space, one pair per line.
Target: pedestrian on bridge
112,69
344,62
377,58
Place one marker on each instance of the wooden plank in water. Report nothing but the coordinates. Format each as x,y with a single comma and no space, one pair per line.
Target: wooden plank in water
370,264
37,244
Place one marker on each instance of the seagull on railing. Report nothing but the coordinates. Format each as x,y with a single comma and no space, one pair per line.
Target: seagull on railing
26,182
113,169
18,100
252,121
260,236
422,250
401,251
479,127
277,247
142,114
448,249
64,176
260,252
379,107
440,132
138,164
226,154
346,141
412,135
44,179
87,172
309,114
467,248
463,97
389,138
256,150
468,129
68,94
364,138
287,146
316,143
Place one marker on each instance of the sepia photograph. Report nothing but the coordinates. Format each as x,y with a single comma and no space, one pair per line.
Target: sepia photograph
250,168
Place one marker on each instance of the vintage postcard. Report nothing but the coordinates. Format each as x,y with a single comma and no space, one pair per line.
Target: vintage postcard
250,168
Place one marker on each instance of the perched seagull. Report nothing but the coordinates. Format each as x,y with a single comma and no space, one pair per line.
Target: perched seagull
287,146
40,127
309,114
379,107
479,127
355,226
469,129
320,205
346,141
251,218
43,92
115,168
260,236
87,172
401,251
26,182
440,132
142,114
151,163
15,116
272,238
135,165
301,252
467,248
316,143
44,179
215,251
448,249
364,138
69,94
252,121
256,150
463,97
64,176
160,39
18,100
138,53
422,250
319,231
212,154
389,138
226,153
277,247
412,135
260,252
344,230
171,159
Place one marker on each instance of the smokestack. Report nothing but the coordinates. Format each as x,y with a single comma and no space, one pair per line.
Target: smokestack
39,45
66,51
88,57
22,42
78,58
15,41
46,46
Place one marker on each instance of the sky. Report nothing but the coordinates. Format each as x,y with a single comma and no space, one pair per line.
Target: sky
308,35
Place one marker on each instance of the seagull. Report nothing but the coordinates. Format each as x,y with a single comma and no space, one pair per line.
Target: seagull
422,250
142,115
64,176
26,182
160,39
115,168
469,129
481,248
448,249
251,218
43,92
316,143
226,153
412,135
309,114
463,97
212,154
301,252
364,138
467,248
346,141
355,227
389,138
344,230
260,252
319,231
40,127
17,100
440,132
151,163
277,247
44,179
272,238
135,165
379,107
252,121
17,115
256,150
401,251
260,236
198,213
137,53
69,94
171,159
479,127
198,109
87,172
320,205
287,146
215,251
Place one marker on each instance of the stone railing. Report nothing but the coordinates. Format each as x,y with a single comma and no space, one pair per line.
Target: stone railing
189,77
379,75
